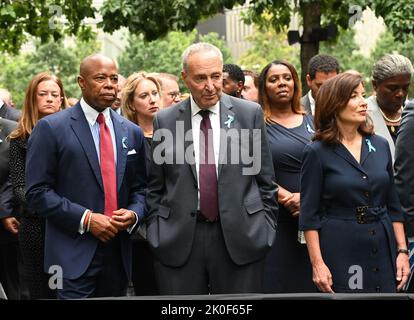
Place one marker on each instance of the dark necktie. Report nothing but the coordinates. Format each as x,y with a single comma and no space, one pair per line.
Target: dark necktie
108,169
207,170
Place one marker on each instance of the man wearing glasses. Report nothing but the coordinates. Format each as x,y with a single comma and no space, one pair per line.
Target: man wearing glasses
170,90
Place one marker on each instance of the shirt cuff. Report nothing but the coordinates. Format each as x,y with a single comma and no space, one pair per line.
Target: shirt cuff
81,229
130,228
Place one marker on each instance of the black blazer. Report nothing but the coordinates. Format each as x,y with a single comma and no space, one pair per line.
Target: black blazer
404,166
6,191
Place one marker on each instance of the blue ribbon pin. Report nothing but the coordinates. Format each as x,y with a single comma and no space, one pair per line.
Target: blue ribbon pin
125,143
230,119
370,146
310,130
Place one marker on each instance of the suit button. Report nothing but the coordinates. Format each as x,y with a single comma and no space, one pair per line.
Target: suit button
364,177
373,232
376,269
366,193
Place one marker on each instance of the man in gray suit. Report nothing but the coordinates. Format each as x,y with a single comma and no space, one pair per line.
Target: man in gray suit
212,215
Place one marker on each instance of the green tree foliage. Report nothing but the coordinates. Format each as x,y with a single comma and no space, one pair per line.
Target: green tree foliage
61,59
347,52
398,17
20,19
155,18
267,45
163,55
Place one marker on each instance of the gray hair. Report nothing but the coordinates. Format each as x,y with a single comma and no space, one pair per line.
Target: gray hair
391,65
199,47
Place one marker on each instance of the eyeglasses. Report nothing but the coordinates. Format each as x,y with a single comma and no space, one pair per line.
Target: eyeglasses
174,94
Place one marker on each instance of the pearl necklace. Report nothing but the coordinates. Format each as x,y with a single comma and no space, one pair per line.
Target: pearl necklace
391,120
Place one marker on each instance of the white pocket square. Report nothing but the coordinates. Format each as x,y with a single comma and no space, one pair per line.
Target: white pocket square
132,152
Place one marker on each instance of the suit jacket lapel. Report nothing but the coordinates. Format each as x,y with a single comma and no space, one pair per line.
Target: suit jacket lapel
367,148
226,114
121,138
343,152
184,115
82,130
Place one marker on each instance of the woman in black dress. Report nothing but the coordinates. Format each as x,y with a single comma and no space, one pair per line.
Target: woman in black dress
141,100
289,129
44,96
350,211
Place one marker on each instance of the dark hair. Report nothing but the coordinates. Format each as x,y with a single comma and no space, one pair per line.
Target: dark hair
332,98
234,71
323,63
263,97
254,75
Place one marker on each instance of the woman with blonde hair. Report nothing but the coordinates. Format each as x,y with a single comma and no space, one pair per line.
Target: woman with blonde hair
141,100
44,96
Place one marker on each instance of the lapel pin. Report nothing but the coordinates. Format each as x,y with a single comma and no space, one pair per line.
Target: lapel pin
310,130
125,143
230,119
370,146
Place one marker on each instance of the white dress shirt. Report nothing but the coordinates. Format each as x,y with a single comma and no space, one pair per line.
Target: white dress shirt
91,116
312,102
215,125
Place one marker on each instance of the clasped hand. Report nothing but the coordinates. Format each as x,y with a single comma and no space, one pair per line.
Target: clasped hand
105,228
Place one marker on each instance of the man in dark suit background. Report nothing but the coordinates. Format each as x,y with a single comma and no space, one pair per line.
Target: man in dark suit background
6,110
85,172
404,174
320,68
211,219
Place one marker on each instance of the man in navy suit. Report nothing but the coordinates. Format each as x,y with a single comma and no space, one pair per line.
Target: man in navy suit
90,211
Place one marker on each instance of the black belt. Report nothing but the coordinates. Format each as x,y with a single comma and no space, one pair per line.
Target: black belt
203,218
361,214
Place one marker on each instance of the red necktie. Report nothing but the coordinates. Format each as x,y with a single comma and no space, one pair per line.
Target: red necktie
207,170
108,168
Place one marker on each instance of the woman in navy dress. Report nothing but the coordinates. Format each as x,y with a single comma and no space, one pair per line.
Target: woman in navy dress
350,211
289,130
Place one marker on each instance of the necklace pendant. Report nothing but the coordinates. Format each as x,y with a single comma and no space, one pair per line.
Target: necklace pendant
392,129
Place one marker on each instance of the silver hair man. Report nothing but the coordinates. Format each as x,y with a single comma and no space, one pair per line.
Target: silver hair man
199,47
391,65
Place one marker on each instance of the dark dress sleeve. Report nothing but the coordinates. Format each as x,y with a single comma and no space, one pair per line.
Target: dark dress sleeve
17,168
311,186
